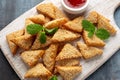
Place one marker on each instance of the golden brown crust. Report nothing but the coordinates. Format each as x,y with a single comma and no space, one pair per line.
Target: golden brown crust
9,37
49,57
59,13
38,19
69,72
93,41
103,23
63,35
46,9
68,62
75,25
93,17
68,52
38,71
31,58
24,42
55,23
88,52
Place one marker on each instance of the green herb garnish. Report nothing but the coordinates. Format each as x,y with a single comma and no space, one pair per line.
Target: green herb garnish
42,37
53,78
36,28
102,34
90,34
88,26
51,31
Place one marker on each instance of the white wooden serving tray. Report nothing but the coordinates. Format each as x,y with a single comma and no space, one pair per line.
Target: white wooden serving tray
104,7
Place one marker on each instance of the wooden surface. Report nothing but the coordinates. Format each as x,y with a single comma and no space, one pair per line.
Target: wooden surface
10,11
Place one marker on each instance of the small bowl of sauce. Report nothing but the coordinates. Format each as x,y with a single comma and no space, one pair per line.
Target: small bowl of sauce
74,6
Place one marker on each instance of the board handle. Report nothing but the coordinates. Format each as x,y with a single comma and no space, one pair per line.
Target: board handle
107,7
114,5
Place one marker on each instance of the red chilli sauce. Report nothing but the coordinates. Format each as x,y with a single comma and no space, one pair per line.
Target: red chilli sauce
75,3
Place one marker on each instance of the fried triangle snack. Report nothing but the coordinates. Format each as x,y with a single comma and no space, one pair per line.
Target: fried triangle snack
9,37
75,25
38,71
63,35
67,62
47,9
49,57
88,52
38,45
55,23
24,42
38,19
68,52
103,23
69,72
32,57
93,41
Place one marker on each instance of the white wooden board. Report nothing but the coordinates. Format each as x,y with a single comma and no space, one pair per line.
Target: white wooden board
105,7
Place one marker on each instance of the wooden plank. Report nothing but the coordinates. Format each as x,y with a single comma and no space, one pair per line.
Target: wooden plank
104,7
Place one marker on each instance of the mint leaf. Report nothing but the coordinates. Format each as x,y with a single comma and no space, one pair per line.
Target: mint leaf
90,34
102,34
53,78
51,31
42,37
34,28
88,26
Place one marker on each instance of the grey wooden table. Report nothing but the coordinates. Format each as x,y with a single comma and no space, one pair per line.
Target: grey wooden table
11,9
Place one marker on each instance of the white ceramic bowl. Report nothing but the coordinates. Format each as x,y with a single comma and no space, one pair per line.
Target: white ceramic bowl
74,10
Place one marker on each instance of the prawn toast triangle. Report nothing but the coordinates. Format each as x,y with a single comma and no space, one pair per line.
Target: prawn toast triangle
32,57
49,56
55,23
69,72
93,41
50,10
24,42
38,71
68,52
88,52
46,9
38,19
9,37
74,25
63,35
